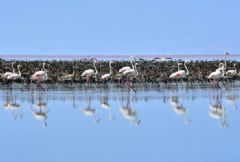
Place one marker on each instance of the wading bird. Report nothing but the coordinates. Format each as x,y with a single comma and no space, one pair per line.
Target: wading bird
90,72
40,76
218,74
131,73
232,73
15,76
6,74
180,73
108,76
69,77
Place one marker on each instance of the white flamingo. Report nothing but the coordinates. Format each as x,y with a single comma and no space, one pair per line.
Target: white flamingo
218,74
233,72
131,73
15,76
108,76
90,72
69,77
180,73
40,75
6,74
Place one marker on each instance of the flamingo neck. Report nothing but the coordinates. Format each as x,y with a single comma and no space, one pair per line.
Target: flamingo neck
94,64
110,66
13,70
225,64
73,71
132,64
19,72
136,69
234,67
44,67
186,68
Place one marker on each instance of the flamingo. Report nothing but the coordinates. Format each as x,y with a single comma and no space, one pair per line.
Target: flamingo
15,76
180,73
6,74
107,76
40,75
90,72
218,74
124,69
69,77
233,72
132,72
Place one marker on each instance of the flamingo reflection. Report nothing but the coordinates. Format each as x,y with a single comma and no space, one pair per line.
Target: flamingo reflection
88,111
231,99
217,110
12,105
40,109
105,105
180,109
129,113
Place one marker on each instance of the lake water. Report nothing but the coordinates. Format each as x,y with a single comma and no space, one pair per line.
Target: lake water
114,125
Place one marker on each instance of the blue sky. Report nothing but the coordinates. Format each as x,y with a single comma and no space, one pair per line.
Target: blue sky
119,27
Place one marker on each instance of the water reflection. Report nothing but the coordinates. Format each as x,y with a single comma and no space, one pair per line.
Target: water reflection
89,111
120,104
39,107
128,112
217,110
11,104
180,109
105,105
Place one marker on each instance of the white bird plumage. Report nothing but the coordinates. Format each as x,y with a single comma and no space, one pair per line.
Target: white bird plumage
180,73
107,76
15,76
6,74
40,75
90,72
219,73
232,72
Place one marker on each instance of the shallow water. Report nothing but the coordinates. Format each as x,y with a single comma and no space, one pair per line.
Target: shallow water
116,125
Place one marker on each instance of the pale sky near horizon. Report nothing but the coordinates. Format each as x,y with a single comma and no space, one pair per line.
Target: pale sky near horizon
119,27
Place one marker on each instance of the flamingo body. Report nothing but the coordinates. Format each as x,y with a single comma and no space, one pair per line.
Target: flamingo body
5,75
124,68
178,74
231,72
88,73
216,75
39,76
106,76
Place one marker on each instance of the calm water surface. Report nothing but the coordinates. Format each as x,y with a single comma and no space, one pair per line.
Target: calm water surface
114,125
